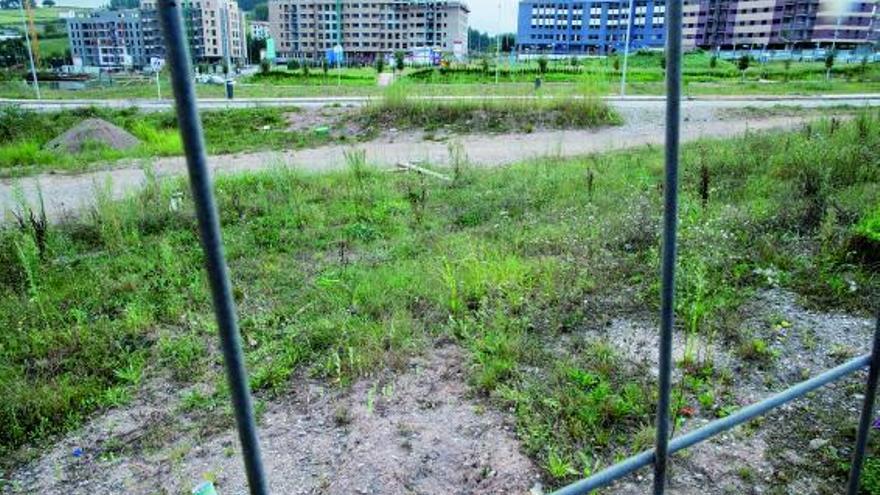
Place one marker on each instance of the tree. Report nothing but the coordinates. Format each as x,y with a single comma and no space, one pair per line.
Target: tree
265,66
713,62
261,12
663,62
508,42
787,65
254,47
48,3
573,61
484,64
743,65
399,60
12,52
293,64
542,65
478,41
380,64
829,64
616,64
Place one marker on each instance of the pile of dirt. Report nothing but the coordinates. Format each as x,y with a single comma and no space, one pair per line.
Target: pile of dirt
93,131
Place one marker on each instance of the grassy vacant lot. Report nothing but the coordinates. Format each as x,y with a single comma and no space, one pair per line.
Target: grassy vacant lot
51,29
645,77
12,17
339,274
24,134
315,77
647,67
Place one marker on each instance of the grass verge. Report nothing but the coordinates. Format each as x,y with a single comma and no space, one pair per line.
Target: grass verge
24,134
398,110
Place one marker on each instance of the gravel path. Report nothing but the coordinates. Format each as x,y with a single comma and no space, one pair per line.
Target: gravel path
643,126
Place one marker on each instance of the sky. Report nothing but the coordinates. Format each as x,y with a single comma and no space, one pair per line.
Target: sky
484,13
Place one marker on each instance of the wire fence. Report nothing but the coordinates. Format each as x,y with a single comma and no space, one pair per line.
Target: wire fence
225,312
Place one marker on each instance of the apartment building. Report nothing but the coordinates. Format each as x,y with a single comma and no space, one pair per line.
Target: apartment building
259,30
599,26
715,24
308,29
129,39
215,29
596,27
109,39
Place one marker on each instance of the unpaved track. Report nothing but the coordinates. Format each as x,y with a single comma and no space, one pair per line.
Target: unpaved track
644,125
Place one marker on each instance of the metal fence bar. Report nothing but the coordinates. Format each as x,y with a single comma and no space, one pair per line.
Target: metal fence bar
855,473
670,225
617,471
212,244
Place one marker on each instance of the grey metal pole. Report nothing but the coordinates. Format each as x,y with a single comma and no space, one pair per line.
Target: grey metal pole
27,39
498,46
644,458
212,243
855,473
626,48
670,225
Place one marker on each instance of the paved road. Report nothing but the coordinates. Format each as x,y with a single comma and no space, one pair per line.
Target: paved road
643,126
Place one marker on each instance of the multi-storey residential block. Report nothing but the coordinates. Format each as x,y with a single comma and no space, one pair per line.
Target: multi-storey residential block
259,30
215,29
599,26
116,39
366,30
108,39
589,27
719,24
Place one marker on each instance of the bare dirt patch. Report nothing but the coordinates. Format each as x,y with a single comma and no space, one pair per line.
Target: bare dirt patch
90,132
339,120
411,432
797,448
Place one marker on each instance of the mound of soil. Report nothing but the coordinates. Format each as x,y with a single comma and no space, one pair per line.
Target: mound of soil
93,131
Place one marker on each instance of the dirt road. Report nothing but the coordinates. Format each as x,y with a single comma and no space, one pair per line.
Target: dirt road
643,125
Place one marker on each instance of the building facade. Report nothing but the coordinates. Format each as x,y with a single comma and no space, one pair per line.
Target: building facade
107,39
215,29
129,39
308,29
599,26
258,30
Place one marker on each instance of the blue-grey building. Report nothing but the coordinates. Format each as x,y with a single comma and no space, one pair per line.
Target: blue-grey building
589,26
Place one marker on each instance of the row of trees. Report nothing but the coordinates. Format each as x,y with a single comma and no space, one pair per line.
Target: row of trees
14,4
481,42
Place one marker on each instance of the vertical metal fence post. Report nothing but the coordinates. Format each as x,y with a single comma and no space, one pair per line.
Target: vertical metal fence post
670,224
209,227
855,473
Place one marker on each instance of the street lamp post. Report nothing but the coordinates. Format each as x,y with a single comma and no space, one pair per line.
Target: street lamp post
629,23
27,39
498,45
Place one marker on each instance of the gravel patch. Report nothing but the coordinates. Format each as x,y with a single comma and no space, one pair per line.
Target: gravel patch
411,432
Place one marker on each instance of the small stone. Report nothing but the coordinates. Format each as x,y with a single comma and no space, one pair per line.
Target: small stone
793,458
537,489
818,443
